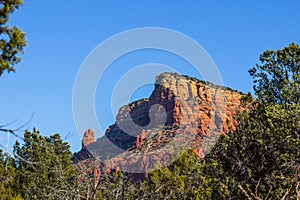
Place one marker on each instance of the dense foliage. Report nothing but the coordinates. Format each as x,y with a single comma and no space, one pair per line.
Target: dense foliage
44,167
261,158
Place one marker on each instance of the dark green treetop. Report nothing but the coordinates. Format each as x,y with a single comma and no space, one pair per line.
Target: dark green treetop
277,78
12,39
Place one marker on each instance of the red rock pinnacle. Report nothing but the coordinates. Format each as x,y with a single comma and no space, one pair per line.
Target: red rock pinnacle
88,138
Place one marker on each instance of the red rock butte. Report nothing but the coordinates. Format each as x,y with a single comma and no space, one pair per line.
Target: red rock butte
181,113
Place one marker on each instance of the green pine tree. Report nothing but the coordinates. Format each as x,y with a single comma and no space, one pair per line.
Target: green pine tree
44,167
261,157
12,39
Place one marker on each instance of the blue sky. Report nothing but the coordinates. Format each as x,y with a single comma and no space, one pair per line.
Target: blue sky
61,33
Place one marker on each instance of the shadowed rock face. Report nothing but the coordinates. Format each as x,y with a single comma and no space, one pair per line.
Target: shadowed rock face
181,111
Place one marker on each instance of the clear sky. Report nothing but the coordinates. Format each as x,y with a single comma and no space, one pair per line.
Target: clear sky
61,33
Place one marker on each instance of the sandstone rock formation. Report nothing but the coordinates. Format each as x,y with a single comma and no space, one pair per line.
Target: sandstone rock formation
181,113
88,138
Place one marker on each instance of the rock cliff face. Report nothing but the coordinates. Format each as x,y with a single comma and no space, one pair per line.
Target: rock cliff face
182,112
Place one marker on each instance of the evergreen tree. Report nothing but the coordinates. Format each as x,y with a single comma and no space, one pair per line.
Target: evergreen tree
7,178
12,39
184,179
44,167
262,156
277,78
